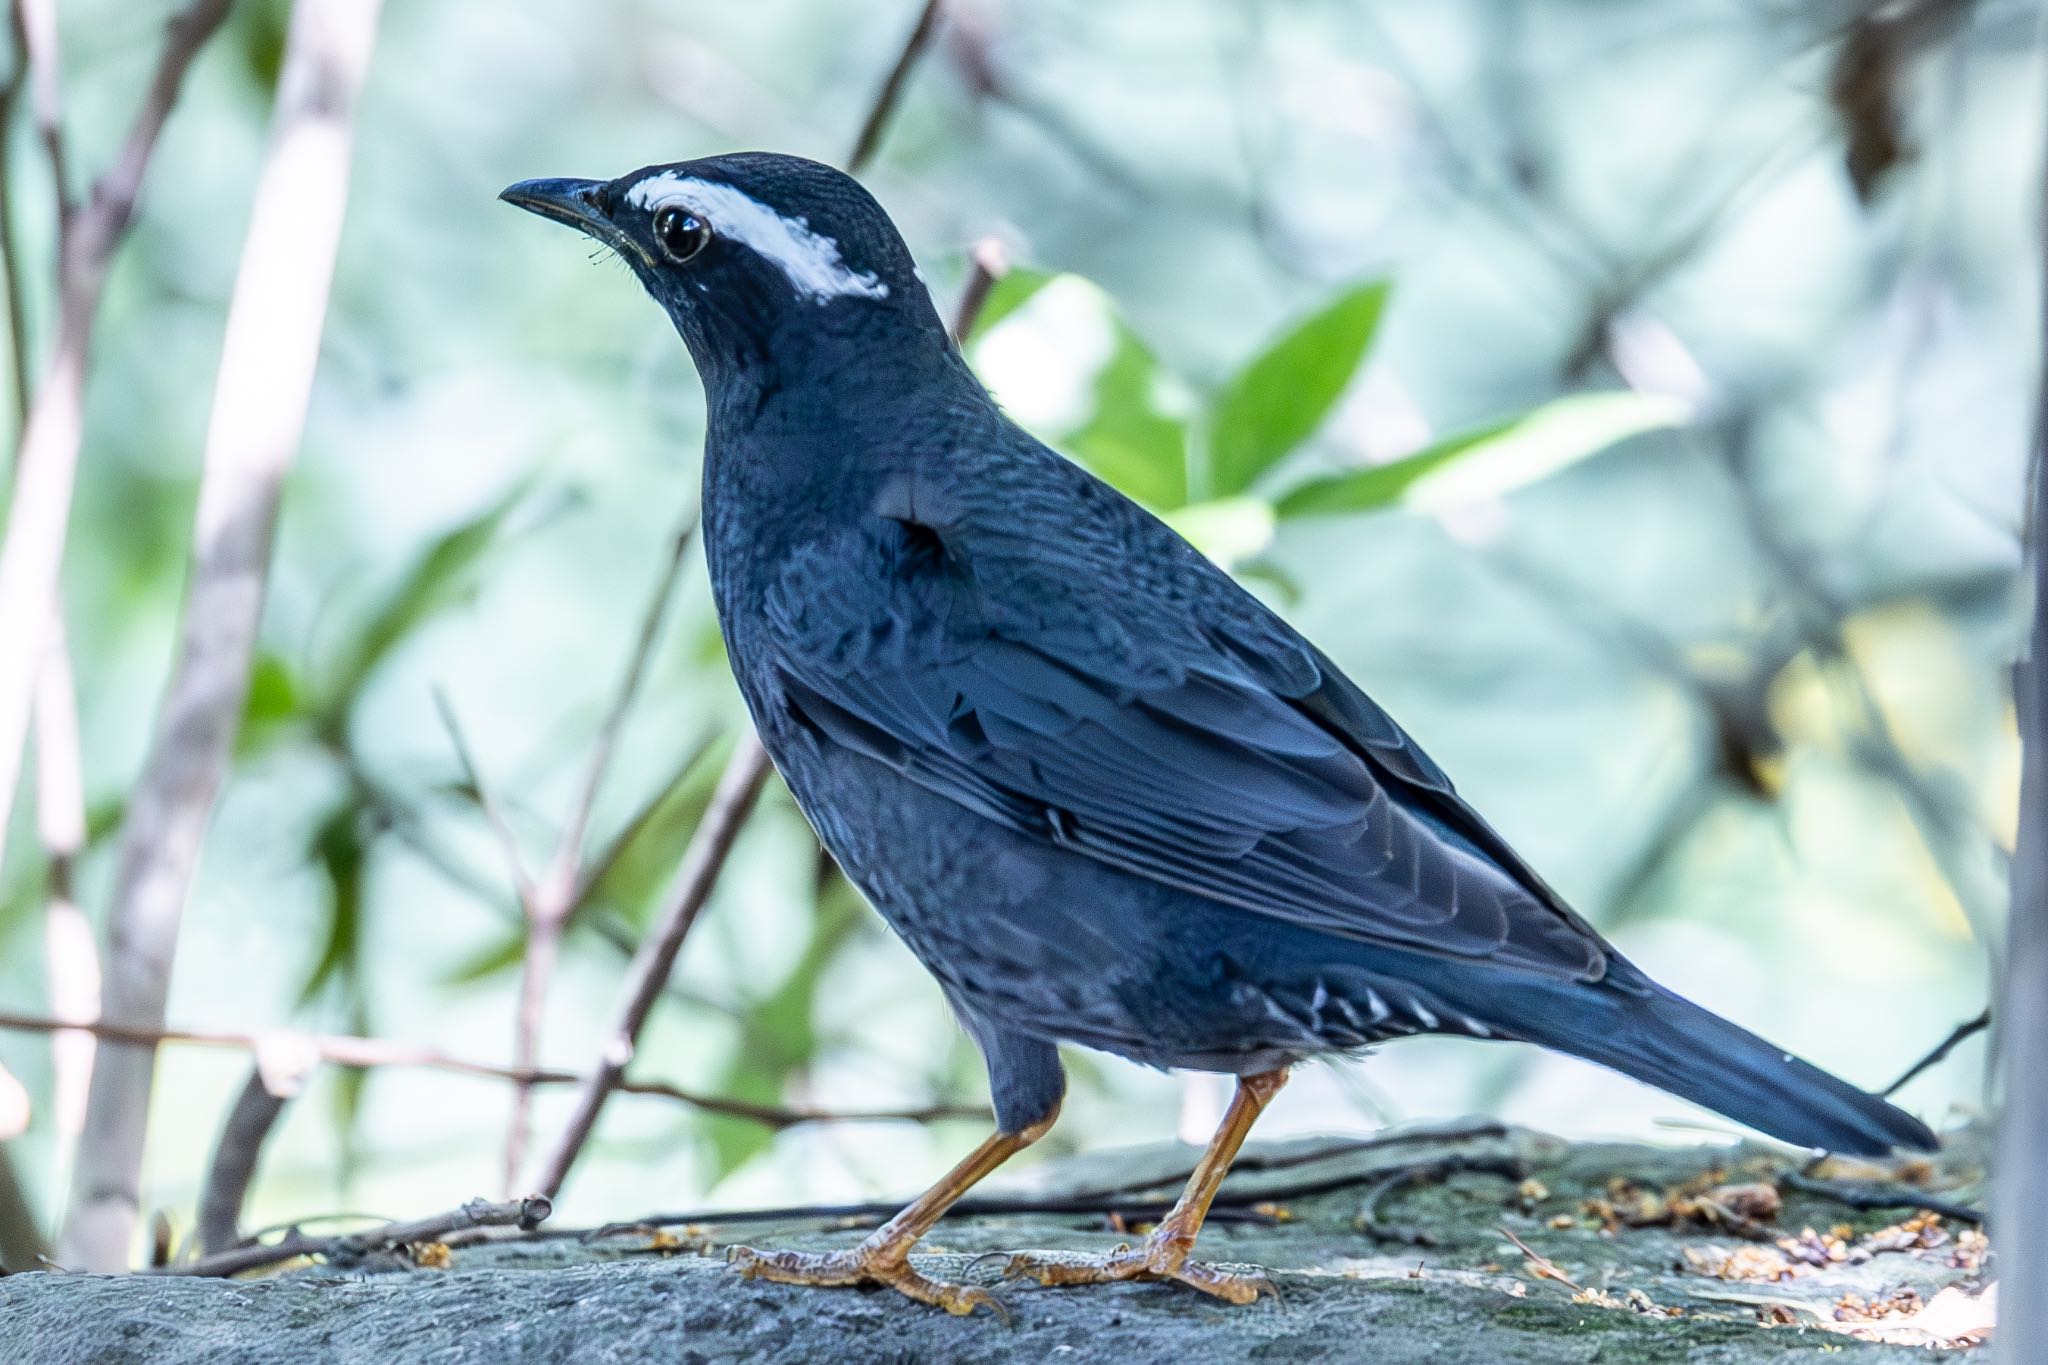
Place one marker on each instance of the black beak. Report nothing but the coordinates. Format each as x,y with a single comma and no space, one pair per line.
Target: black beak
566,201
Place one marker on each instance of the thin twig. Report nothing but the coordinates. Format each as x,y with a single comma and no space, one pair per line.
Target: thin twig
10,245
552,903
269,352
1961,1034
1367,1220
884,107
1968,860
1143,1193
730,804
362,1054
1539,1265
46,462
990,262
569,854
1870,1194
606,860
494,813
525,1214
256,1111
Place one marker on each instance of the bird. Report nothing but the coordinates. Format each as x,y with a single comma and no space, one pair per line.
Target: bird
1106,796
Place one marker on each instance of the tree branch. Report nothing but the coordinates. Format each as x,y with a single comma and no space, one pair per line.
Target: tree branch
10,246
988,262
872,127
71,957
21,1241
268,356
256,1111
730,804
362,1054
567,883
46,462
1959,1035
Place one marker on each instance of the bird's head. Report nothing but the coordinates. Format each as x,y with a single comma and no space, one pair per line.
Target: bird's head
764,262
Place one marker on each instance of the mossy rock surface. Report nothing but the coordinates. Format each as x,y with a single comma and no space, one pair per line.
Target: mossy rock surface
1469,1296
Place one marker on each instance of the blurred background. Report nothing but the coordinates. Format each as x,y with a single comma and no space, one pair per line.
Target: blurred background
1708,330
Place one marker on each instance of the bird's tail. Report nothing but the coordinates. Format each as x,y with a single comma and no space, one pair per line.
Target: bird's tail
1640,1029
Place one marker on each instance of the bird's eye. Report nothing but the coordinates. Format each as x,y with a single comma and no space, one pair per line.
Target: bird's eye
681,233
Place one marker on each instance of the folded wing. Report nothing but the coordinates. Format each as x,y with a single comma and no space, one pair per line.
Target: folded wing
1211,749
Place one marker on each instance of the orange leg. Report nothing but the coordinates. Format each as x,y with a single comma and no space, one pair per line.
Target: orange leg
884,1257
1164,1256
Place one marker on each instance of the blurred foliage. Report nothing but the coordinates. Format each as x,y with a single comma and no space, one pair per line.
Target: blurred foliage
1218,471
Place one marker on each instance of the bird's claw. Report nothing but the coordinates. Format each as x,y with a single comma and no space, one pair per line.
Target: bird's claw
861,1266
1156,1260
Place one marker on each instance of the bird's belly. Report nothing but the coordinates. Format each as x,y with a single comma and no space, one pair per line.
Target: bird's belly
1057,944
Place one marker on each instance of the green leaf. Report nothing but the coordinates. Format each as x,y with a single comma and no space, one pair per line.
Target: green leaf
1128,440
637,867
437,580
339,854
256,32
339,849
488,961
1124,429
273,704
350,1083
1007,295
1493,459
1279,400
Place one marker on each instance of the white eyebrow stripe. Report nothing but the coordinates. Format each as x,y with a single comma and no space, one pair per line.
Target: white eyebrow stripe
811,262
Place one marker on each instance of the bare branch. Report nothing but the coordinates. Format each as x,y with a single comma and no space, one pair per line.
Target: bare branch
268,355
21,1241
599,866
46,461
1877,1194
10,246
525,1214
1959,1035
35,26
562,888
730,804
569,854
869,139
363,1054
256,1111
990,263
71,957
494,813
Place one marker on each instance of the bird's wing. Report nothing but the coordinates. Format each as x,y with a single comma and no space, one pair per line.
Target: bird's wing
1175,729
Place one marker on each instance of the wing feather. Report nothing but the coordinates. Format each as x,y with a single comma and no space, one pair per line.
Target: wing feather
1207,746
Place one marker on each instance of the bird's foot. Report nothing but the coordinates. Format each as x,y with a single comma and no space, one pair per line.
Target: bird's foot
1160,1258
864,1265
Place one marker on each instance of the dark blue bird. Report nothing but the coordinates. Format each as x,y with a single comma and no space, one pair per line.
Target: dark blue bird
1105,795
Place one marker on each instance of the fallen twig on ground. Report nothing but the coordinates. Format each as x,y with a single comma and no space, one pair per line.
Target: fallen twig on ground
527,1214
